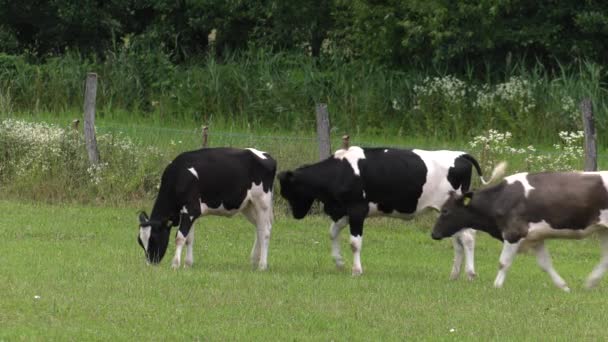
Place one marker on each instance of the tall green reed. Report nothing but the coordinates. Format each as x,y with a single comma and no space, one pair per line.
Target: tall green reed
262,90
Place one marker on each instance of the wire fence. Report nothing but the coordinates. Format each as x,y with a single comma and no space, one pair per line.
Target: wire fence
306,144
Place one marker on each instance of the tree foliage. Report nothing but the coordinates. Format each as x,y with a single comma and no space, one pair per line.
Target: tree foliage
399,33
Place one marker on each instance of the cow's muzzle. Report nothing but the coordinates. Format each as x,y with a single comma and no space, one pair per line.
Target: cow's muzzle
436,236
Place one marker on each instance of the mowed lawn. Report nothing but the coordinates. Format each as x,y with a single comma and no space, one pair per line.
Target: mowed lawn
77,273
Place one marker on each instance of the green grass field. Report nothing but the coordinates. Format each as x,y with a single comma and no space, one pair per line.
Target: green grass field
93,284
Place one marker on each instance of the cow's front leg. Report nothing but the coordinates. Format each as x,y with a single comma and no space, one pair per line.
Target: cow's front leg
356,216
509,250
187,216
334,234
189,248
544,261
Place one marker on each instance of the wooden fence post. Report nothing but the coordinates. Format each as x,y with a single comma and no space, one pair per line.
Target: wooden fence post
205,136
590,136
323,131
90,93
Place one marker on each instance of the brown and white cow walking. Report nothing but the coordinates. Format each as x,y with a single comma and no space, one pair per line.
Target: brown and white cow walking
525,209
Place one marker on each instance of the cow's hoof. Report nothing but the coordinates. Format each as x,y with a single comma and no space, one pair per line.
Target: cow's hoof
339,264
471,275
357,272
188,263
175,265
566,288
591,283
454,275
262,267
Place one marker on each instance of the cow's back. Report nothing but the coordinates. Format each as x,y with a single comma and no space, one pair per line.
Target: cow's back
223,175
565,200
393,178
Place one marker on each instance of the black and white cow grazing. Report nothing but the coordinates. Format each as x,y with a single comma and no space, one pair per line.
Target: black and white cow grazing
526,209
210,181
361,182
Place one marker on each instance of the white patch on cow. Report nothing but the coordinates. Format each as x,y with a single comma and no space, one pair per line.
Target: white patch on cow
255,193
180,240
385,150
436,188
339,154
184,210
539,231
193,171
144,236
603,217
352,155
603,174
363,193
523,179
258,153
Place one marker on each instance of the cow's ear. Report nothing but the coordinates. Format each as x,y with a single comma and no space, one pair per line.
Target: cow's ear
467,198
285,176
143,217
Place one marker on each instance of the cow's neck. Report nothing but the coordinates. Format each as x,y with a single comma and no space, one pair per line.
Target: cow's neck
319,177
163,208
484,205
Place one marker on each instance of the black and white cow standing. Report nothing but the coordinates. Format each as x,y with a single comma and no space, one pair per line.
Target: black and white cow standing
526,209
210,181
360,182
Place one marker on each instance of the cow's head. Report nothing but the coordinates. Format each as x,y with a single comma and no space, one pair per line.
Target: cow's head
456,214
153,238
296,193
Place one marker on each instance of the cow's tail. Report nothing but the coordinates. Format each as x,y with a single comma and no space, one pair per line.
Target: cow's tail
498,171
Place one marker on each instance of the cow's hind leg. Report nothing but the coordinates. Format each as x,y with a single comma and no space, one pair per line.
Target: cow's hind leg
334,234
251,215
468,241
509,251
458,256
601,268
261,210
544,261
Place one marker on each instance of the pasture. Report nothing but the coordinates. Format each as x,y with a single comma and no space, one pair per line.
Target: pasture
74,272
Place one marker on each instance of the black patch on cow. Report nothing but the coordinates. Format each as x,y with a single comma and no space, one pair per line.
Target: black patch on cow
393,179
459,175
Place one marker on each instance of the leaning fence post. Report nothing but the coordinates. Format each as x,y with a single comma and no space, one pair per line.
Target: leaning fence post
323,131
75,123
205,136
90,93
590,136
